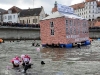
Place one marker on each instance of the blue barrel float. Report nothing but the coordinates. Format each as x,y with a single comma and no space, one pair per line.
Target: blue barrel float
66,45
62,45
99,39
69,45
87,42
43,45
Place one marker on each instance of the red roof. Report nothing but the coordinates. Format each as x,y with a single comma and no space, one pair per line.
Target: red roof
14,10
82,5
97,24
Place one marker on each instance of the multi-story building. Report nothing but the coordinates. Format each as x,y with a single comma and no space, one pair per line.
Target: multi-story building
12,15
1,15
90,10
32,16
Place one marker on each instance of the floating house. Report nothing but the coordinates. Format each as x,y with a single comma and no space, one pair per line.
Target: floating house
64,28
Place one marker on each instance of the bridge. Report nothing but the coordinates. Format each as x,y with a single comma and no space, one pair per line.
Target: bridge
94,32
12,32
9,32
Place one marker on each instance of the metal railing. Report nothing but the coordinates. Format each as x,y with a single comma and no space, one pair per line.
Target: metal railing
20,25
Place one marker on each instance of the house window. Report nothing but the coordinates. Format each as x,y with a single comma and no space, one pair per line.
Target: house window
71,31
23,21
66,22
20,21
34,20
84,24
9,11
29,21
14,16
89,16
5,17
74,31
9,17
93,15
67,32
52,31
70,22
51,24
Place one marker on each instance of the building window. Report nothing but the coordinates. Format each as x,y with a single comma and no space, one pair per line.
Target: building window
71,31
5,17
34,20
93,15
70,22
67,32
9,17
89,11
51,24
23,21
14,16
89,16
93,7
9,11
74,31
29,21
52,31
66,22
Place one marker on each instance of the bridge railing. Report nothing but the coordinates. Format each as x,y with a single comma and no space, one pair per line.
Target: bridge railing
94,29
20,25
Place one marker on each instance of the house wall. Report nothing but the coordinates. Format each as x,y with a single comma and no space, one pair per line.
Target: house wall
45,31
76,31
29,18
42,15
14,18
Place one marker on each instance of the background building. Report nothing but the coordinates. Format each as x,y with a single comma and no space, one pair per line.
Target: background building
12,15
1,14
90,10
32,16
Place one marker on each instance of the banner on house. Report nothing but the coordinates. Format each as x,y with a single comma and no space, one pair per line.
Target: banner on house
65,9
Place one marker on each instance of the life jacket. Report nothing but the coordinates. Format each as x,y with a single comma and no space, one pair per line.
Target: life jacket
15,60
26,58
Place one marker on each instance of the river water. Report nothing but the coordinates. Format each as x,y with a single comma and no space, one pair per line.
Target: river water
58,61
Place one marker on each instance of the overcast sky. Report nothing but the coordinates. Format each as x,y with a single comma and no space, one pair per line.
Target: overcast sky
47,4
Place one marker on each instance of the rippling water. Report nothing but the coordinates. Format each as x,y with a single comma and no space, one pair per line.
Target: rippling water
59,61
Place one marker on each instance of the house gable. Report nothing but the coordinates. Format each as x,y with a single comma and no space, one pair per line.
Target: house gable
12,10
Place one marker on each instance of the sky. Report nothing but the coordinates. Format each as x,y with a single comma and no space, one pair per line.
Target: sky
25,4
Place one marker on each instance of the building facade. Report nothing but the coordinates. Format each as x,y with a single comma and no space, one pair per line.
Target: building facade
90,9
12,15
32,16
1,15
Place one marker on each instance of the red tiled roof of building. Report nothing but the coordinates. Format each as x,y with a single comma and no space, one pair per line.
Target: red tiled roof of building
97,24
90,0
14,10
78,6
82,5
